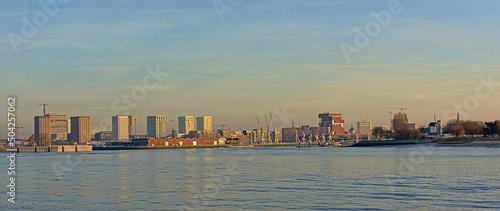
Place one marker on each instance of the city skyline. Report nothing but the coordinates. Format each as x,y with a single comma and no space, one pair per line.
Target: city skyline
281,57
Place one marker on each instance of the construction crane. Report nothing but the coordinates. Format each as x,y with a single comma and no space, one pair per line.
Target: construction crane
274,128
44,104
261,129
168,120
390,113
17,132
222,126
135,126
267,131
398,108
296,136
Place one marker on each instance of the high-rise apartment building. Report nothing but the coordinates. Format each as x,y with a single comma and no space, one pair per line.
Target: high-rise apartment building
58,126
204,123
68,126
42,131
80,129
157,126
121,127
186,124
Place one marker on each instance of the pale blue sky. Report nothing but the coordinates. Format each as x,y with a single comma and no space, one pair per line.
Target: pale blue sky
263,55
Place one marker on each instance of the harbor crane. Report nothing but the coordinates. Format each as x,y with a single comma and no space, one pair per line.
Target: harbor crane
267,131
272,122
261,129
44,104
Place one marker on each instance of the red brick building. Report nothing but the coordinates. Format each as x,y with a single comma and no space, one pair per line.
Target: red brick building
333,121
184,142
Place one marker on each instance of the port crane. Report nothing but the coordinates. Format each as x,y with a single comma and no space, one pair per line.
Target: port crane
272,122
267,131
261,130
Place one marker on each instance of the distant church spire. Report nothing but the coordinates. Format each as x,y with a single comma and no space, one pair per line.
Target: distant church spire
458,116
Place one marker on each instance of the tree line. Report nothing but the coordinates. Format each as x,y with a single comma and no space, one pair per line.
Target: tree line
471,128
458,128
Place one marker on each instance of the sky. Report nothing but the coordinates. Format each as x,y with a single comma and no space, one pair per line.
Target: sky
235,60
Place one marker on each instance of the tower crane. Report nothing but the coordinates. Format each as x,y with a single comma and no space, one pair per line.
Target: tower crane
44,104
390,114
222,126
17,131
135,126
398,108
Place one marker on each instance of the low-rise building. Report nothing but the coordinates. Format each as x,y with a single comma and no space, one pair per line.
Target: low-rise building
185,142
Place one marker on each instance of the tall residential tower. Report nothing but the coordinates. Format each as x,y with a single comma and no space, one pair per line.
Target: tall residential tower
204,123
80,129
121,127
157,126
186,124
42,130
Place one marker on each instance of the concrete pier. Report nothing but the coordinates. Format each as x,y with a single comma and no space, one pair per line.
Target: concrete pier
26,149
69,148
55,149
42,149
83,148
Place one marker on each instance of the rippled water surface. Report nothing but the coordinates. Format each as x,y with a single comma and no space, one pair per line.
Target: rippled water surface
422,177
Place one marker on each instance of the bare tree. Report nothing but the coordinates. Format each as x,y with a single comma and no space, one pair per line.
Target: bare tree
401,126
473,127
457,130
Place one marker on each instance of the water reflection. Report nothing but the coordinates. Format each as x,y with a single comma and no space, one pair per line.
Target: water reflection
268,179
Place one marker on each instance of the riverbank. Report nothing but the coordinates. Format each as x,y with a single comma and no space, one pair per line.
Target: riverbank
469,141
392,142
152,147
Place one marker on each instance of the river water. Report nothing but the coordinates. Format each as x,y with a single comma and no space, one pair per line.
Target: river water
418,177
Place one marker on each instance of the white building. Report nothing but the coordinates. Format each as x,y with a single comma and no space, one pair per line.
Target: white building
204,123
157,126
186,124
121,127
365,127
